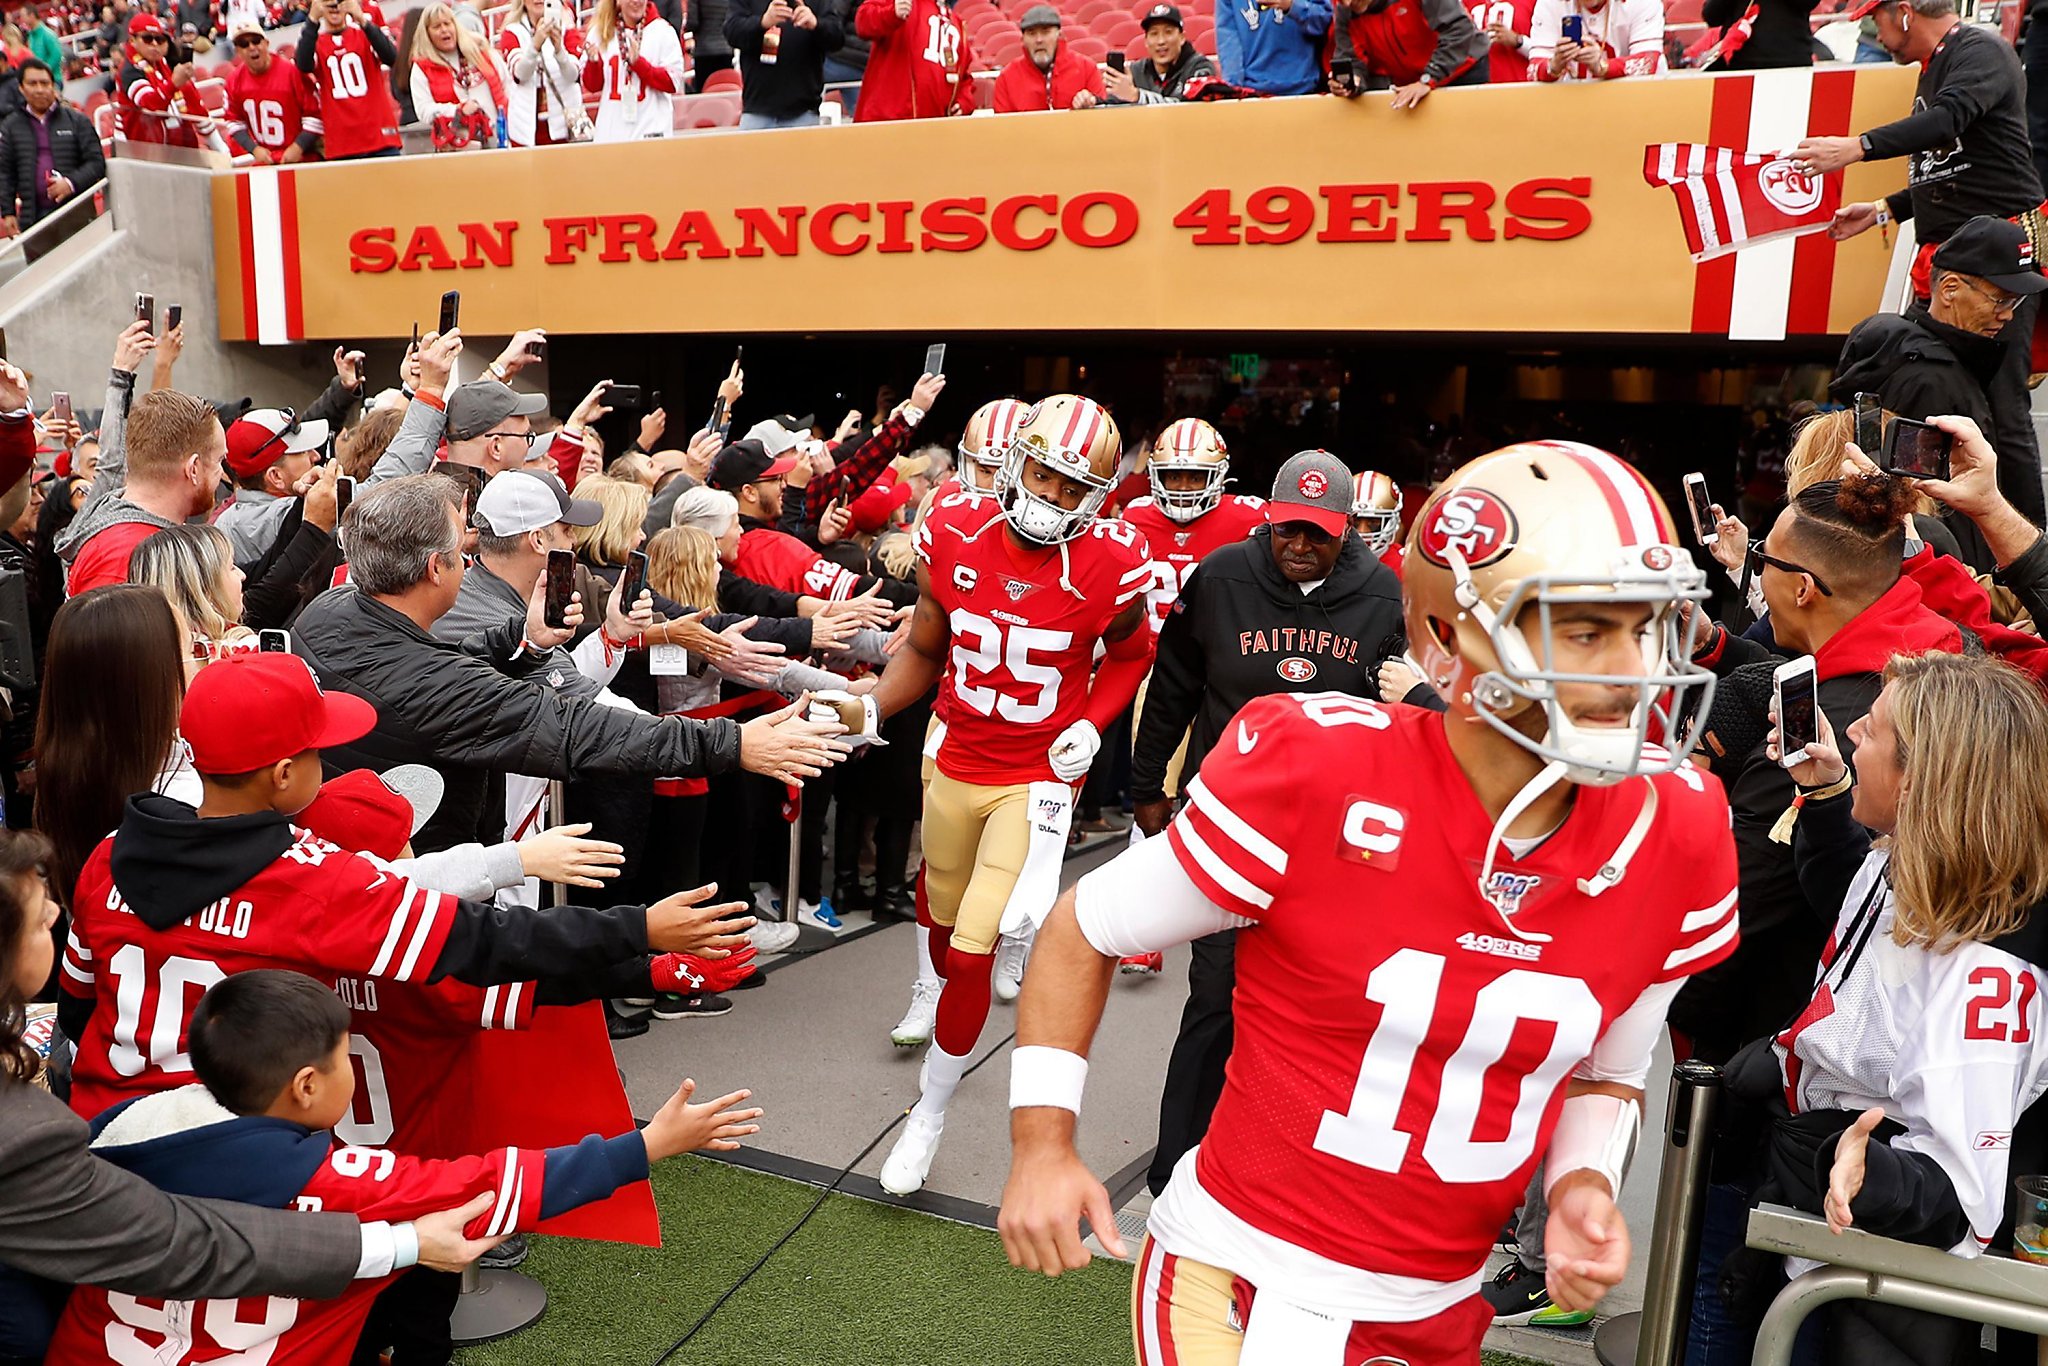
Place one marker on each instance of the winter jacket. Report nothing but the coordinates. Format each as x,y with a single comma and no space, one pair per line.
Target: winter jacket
1271,52
1241,629
1157,88
901,82
1917,367
707,26
475,709
1024,86
1407,40
74,154
1765,981
794,82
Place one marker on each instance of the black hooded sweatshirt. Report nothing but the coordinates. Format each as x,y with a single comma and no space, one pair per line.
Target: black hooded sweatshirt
1241,629
170,864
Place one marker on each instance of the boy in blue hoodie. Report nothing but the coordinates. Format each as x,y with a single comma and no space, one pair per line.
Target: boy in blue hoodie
270,1049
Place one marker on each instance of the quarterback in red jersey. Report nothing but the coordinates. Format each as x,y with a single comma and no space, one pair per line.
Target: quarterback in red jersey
272,110
1017,591
1376,516
1438,986
1188,514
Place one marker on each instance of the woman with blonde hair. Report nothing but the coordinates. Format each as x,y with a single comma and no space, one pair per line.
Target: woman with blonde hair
633,61
1928,1029
194,567
454,80
620,531
543,53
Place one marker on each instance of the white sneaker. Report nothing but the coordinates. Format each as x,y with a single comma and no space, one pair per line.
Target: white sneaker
768,936
819,914
766,903
1011,956
916,1025
910,1161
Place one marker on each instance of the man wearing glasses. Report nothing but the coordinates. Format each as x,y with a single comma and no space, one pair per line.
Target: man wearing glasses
1968,153
273,113
155,99
1947,358
1301,605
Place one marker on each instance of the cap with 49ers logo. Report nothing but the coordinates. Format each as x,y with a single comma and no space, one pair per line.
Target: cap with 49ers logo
1312,487
248,711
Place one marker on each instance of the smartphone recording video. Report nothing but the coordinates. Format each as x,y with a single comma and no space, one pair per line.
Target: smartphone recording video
1869,425
935,359
145,311
1798,705
451,311
1701,506
636,580
561,587
1916,449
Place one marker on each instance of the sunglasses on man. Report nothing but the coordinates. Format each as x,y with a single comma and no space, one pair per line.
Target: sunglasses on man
1754,563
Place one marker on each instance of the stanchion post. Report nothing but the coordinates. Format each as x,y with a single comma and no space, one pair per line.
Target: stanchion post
1681,1206
558,807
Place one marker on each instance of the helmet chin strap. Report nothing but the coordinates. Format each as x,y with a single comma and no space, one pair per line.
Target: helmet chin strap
1553,773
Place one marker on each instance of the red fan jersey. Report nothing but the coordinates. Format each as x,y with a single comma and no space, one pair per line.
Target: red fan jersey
411,1047
1025,623
102,1326
357,110
271,111
316,909
1177,547
780,560
1401,1052
1504,63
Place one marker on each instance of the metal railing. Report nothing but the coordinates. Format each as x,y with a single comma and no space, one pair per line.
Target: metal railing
18,252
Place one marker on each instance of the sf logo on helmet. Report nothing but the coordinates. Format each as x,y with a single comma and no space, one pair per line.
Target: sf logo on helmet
1472,522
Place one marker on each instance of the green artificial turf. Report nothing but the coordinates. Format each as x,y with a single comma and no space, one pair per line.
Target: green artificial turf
862,1285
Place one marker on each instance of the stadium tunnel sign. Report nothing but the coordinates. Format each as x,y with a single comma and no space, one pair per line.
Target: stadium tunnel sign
1502,209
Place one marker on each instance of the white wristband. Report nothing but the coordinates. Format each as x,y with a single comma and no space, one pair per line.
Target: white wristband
1595,1132
1047,1076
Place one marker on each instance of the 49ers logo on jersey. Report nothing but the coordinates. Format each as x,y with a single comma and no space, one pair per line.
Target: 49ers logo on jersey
1372,833
1472,522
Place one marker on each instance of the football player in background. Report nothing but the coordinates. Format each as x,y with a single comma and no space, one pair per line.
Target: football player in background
1438,984
983,443
1186,516
1376,516
1017,590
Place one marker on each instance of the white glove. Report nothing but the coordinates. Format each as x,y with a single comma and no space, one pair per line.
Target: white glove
1074,752
857,714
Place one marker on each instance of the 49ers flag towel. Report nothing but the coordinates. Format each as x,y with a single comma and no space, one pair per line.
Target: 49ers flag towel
1729,199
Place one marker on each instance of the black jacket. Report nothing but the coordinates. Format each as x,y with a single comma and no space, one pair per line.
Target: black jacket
1917,367
1240,629
467,711
1966,138
74,152
1781,37
795,82
1154,88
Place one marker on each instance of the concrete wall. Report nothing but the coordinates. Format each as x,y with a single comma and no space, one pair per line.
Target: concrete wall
63,313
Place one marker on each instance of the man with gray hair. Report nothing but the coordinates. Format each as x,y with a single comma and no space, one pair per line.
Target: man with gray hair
474,711
1050,74
1968,154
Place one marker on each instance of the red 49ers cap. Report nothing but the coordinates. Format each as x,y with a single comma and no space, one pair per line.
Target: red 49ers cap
1312,487
143,24
250,710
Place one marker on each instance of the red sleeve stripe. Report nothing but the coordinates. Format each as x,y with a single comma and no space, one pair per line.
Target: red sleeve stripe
1693,952
430,914
1235,828
1210,871
1708,915
505,1212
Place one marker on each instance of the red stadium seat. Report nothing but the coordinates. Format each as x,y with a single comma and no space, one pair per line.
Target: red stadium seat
103,124
725,78
694,112
213,93
1682,12
1089,46
1122,32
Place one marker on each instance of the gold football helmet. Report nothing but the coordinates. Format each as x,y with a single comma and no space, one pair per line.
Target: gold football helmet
1191,445
1071,436
1542,524
1376,510
987,437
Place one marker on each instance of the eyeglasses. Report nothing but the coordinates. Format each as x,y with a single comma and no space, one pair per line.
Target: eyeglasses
1288,531
250,40
528,437
1756,560
1999,300
152,38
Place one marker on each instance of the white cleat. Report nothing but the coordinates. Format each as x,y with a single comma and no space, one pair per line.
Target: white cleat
915,1027
910,1161
1011,956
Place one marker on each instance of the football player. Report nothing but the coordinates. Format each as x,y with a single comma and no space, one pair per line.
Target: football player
1376,515
1017,590
1186,516
1459,933
983,443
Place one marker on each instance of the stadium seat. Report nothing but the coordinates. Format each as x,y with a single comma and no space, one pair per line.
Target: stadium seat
698,112
725,78
103,124
213,93
1121,32
1681,12
1089,46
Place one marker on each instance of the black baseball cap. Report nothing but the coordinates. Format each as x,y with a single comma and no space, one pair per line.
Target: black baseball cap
1994,250
746,462
1161,14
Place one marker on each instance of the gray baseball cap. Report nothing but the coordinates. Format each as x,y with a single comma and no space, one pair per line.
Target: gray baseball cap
480,405
1039,16
519,501
1313,487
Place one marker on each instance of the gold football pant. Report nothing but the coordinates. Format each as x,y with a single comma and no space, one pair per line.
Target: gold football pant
975,842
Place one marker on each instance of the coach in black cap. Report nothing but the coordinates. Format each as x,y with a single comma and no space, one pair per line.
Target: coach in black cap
1171,62
1944,359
